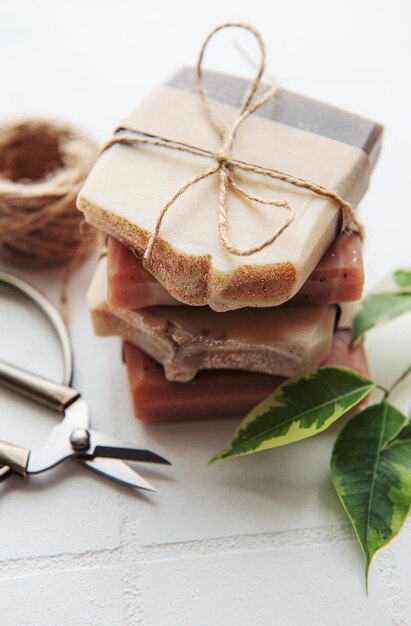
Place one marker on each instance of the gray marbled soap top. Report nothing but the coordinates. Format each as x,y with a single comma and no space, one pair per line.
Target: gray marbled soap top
291,109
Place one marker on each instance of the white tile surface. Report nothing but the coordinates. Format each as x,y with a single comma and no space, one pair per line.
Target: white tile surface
254,541
87,597
293,586
401,552
70,511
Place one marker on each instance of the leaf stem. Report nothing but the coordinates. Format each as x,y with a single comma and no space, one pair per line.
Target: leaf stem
397,382
384,389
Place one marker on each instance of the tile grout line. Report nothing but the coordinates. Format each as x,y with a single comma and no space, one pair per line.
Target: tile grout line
131,561
307,537
130,547
231,543
27,566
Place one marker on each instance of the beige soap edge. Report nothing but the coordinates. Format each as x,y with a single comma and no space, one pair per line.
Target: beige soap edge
188,278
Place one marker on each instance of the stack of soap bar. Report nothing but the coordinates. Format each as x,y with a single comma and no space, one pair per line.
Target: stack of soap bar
209,334
280,341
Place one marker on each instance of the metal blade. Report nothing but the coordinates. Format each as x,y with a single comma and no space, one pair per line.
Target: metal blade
118,471
103,445
55,450
77,415
58,446
129,454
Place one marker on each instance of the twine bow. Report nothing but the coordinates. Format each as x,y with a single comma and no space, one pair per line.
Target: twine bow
225,166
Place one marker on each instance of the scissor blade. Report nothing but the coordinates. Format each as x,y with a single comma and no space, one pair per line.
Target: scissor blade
119,471
129,454
54,451
58,446
77,415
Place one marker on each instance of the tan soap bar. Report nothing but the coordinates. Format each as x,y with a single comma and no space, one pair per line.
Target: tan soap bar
129,185
281,341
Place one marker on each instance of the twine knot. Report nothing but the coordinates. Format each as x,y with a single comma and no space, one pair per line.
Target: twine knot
222,159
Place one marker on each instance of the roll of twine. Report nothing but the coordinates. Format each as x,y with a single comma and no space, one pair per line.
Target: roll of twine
43,164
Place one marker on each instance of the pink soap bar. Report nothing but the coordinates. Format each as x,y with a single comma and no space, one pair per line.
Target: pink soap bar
338,277
214,394
129,285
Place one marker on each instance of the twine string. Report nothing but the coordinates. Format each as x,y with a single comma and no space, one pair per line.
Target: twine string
40,226
226,167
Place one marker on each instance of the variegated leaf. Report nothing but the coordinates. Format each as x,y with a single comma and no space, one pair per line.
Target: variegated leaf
377,309
403,279
371,472
389,300
301,407
399,452
405,432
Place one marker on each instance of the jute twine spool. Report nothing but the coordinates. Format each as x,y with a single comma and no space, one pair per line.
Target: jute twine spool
42,167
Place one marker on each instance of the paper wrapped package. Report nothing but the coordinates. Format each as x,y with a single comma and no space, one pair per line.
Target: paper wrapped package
130,184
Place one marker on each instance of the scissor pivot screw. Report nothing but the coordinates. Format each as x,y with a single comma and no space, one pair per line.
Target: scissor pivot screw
80,439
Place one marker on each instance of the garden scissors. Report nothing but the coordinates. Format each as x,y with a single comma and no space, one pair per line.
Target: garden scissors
72,438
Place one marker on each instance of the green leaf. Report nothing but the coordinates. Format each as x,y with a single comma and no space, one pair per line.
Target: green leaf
301,407
378,308
403,279
371,472
405,432
399,452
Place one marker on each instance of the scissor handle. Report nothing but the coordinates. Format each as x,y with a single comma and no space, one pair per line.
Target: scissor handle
5,472
52,314
53,395
13,459
46,392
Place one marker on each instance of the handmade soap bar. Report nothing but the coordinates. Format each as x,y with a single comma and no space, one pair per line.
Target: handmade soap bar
213,394
339,277
278,340
129,285
129,185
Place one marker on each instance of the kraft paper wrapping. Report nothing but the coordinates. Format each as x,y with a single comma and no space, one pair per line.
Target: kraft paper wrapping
129,185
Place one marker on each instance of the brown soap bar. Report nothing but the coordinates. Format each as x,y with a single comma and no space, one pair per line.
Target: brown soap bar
214,394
